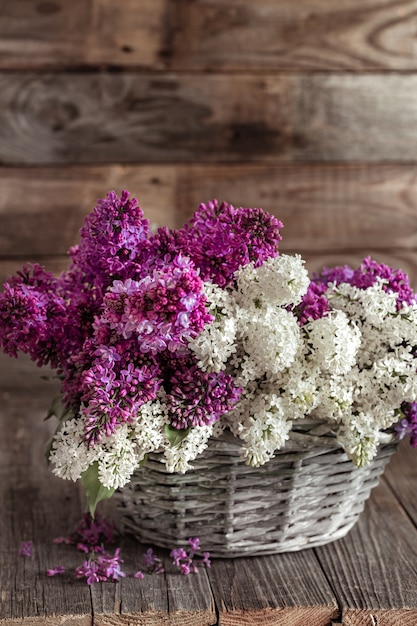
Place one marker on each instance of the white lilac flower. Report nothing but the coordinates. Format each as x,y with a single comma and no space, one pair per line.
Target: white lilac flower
177,458
264,429
279,281
335,397
299,393
118,458
334,342
379,391
216,342
371,305
148,427
359,438
270,338
70,457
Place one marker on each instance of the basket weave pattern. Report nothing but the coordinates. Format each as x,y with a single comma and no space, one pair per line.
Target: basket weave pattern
309,494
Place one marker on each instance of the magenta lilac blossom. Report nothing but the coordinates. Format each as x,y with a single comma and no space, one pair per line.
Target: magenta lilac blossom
366,275
26,548
220,239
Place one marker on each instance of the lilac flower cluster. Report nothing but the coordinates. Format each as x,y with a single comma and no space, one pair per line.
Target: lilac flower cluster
113,241
186,560
91,534
101,568
220,239
407,425
367,274
129,303
314,304
196,398
152,563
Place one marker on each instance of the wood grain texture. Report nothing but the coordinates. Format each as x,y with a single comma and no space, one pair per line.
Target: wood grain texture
132,117
366,591
42,210
209,34
35,506
324,208
401,476
280,590
58,34
318,35
155,600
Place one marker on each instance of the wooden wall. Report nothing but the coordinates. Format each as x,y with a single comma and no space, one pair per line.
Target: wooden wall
307,108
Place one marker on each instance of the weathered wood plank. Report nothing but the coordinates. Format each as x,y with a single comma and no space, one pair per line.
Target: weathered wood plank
351,118
156,599
42,210
210,34
38,507
373,569
324,207
318,35
132,117
59,34
280,590
401,476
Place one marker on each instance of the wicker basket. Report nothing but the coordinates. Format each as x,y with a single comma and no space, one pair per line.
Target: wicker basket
307,495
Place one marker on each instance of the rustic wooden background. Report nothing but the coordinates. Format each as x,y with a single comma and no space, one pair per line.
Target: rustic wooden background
307,108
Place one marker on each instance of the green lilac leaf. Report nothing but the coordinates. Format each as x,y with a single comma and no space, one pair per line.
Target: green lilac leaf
175,436
94,490
59,410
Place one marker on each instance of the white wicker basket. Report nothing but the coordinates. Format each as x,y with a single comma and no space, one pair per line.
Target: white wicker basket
309,494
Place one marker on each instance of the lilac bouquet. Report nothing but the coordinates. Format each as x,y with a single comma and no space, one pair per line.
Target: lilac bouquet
162,340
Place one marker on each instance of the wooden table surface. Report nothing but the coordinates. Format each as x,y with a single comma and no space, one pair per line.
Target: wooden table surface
367,578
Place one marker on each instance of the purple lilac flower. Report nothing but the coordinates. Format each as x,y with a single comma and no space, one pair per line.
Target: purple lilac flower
110,565
31,315
83,304
407,426
59,569
101,568
367,274
152,562
314,304
220,239
186,561
198,398
90,571
26,548
91,534
161,311
115,386
113,240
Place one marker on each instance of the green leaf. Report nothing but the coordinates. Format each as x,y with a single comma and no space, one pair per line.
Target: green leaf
175,436
59,410
94,490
